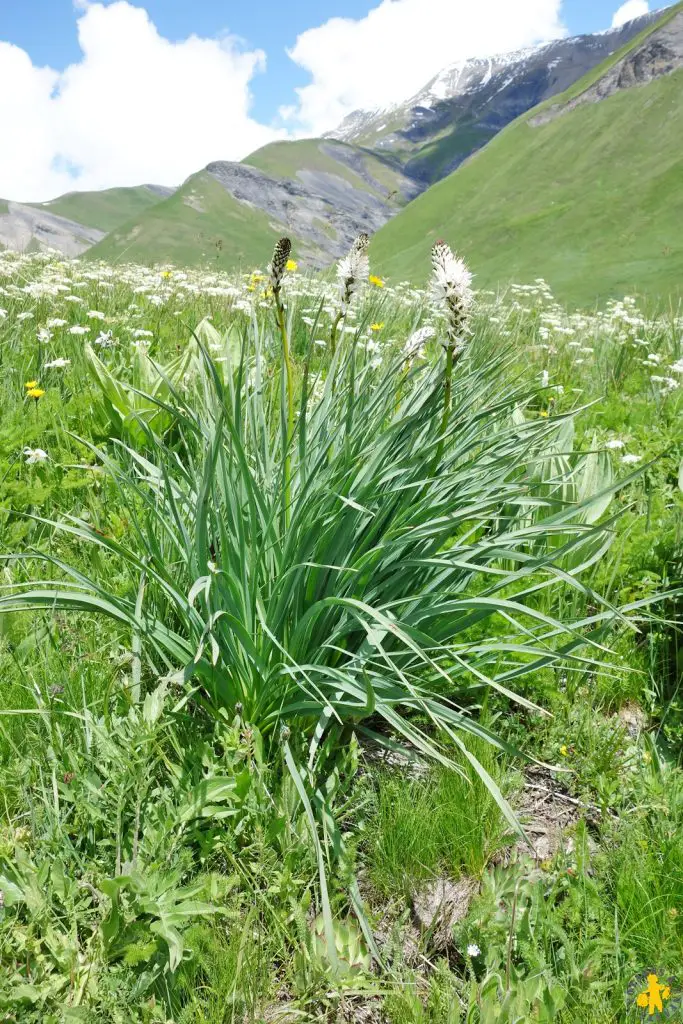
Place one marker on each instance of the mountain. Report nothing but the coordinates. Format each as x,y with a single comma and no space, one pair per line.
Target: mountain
107,209
323,192
75,221
199,223
320,192
468,103
585,190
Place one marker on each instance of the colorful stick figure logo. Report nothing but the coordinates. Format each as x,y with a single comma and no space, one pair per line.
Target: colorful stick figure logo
653,996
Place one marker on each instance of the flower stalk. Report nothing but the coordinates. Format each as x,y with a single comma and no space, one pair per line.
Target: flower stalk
452,291
352,271
278,267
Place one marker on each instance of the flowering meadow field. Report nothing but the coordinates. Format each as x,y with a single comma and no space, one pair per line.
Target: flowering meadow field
340,648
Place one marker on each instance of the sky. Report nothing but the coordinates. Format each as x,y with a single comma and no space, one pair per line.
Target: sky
101,93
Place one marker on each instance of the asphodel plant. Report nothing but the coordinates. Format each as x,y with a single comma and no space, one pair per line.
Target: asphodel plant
405,580
278,267
352,272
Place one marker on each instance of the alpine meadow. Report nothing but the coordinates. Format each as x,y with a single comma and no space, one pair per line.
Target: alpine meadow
341,566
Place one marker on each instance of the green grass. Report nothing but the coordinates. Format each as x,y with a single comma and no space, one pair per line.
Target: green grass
187,811
444,825
431,161
3,206
106,210
590,201
200,223
286,159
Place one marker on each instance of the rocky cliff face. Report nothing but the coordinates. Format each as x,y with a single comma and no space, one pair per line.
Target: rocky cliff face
319,207
24,227
466,104
660,54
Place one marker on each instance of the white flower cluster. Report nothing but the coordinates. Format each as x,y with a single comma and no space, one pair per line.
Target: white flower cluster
353,270
452,289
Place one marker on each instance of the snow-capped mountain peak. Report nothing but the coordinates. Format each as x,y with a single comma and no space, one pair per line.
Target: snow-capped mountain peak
541,71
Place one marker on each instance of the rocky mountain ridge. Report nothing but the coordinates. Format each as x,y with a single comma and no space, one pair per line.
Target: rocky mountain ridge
325,191
466,104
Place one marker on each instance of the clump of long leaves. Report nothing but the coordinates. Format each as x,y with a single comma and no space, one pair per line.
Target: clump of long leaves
362,573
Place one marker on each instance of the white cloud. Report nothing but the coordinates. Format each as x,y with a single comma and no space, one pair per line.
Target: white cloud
136,108
392,52
628,11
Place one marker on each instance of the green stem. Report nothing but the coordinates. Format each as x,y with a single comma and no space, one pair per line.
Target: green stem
447,392
282,325
333,334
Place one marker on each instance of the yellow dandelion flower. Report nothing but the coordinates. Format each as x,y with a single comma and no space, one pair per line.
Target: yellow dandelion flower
256,277
544,414
35,393
31,384
251,287
376,327
166,273
291,265
377,281
563,750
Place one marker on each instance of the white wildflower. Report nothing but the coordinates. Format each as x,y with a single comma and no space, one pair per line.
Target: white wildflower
27,315
473,949
77,329
669,383
452,288
614,444
56,322
414,347
631,460
43,334
353,270
35,455
452,278
677,367
94,314
57,364
545,379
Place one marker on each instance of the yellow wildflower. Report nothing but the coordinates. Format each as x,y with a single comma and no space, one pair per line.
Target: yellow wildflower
563,750
35,393
544,414
166,273
256,277
291,265
377,281
376,327
31,384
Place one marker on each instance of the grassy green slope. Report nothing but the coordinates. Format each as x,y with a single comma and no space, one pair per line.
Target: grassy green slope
592,201
105,210
200,223
285,159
